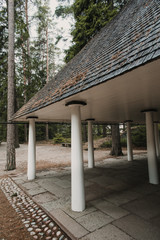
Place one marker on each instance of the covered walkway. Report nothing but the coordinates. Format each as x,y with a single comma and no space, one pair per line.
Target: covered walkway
121,204
113,79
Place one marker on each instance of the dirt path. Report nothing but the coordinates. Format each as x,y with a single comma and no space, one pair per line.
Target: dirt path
11,224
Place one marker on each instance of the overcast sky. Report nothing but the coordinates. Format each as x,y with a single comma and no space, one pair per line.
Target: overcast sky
63,27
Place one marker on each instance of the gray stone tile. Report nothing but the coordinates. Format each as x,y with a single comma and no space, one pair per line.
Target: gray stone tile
122,197
95,191
47,181
146,188
94,220
75,229
44,197
67,209
105,181
110,209
108,232
147,207
35,191
19,181
63,183
30,185
156,221
138,228
50,185
57,203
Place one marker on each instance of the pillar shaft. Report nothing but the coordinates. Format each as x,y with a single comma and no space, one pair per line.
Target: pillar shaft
157,140
151,149
90,146
129,142
31,151
77,174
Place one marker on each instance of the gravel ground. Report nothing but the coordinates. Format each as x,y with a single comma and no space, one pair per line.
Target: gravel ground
47,156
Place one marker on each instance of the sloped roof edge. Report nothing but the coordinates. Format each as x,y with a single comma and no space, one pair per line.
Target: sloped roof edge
130,40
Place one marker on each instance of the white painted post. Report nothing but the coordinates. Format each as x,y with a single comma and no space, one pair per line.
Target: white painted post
90,146
31,173
129,142
151,149
157,140
77,174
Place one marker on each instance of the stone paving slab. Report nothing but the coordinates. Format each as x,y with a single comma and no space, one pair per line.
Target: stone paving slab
44,197
35,191
67,209
51,187
146,188
30,185
104,181
59,203
99,219
73,227
63,183
146,207
95,191
138,228
156,221
121,198
110,209
108,232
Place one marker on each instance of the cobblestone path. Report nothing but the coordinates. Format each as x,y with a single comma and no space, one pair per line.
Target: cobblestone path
37,222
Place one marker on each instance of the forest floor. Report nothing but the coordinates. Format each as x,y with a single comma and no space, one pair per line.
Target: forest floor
49,157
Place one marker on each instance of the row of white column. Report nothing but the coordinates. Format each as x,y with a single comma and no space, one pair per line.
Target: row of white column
77,170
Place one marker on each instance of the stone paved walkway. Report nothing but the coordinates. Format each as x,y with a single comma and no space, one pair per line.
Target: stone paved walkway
120,203
37,222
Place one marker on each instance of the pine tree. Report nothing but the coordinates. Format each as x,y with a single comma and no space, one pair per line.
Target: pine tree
3,67
11,162
90,17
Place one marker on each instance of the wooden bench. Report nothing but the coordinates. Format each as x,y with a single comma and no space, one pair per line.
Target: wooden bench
66,144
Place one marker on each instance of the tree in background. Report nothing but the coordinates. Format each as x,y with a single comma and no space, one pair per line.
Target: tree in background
29,77
11,162
90,17
116,143
3,66
43,48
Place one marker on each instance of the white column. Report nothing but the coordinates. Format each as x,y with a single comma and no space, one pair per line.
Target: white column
151,149
129,142
31,150
157,140
77,174
90,146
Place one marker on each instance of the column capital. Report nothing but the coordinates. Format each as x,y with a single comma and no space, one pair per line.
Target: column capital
75,102
156,121
149,110
32,117
90,119
128,121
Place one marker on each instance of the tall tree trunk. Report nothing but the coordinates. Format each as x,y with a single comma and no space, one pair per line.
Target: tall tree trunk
85,133
16,126
116,144
104,131
47,132
11,162
47,80
28,79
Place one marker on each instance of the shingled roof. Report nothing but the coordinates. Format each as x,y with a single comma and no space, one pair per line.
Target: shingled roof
130,40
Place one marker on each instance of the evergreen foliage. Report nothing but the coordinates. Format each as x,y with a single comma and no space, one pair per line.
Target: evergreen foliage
90,16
